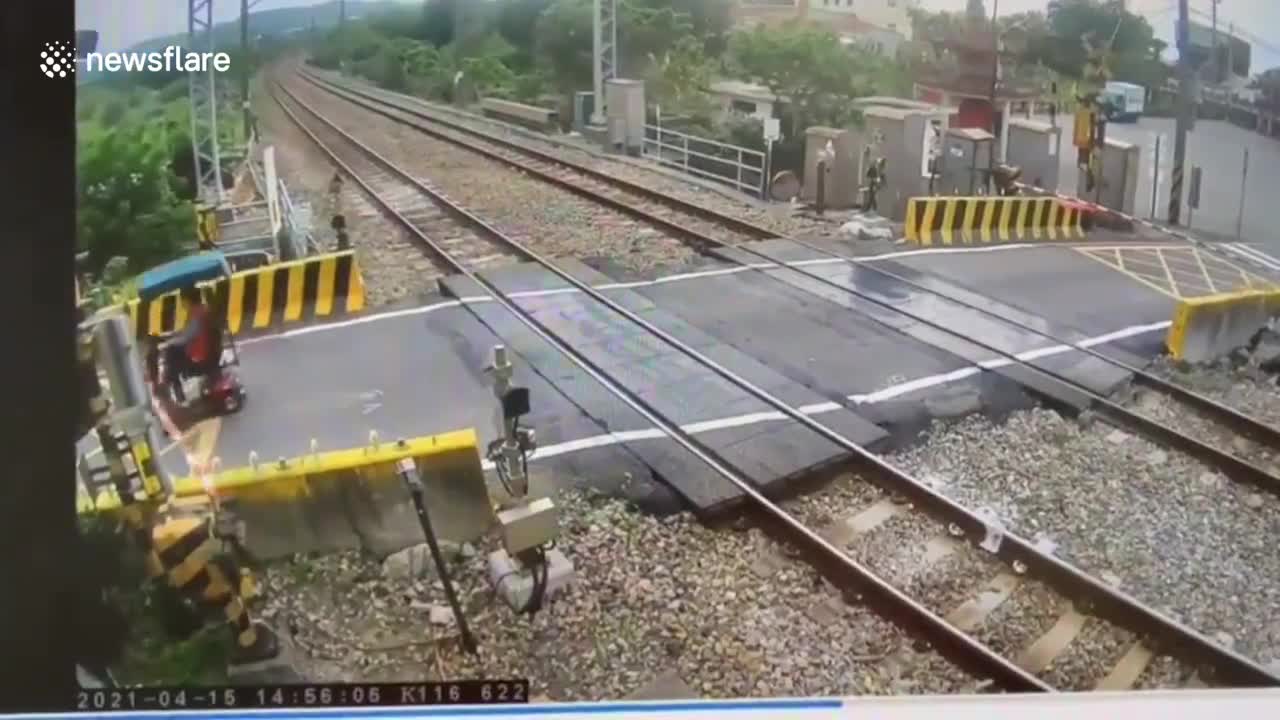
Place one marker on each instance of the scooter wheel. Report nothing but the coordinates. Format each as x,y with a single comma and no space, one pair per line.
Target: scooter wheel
231,403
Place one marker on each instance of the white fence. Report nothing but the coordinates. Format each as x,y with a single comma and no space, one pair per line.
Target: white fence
739,167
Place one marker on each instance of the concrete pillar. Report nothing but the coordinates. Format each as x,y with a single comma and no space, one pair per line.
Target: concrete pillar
624,107
1033,146
841,186
967,157
1119,181
901,142
1004,131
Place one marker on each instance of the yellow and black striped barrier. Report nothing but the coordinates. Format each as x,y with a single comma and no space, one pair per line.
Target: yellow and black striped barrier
988,219
1206,328
302,503
268,297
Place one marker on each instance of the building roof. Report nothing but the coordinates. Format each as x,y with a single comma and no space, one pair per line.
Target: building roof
974,85
1036,125
896,102
745,90
971,134
887,111
844,23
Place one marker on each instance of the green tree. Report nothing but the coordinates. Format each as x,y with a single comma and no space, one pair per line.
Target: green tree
126,203
1134,50
647,29
711,19
678,80
564,43
517,24
1267,83
808,68
488,75
439,22
650,29
976,10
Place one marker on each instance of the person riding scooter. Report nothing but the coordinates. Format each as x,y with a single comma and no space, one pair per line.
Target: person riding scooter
186,353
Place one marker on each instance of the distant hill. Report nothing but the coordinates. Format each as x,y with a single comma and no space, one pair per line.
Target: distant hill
278,22
281,21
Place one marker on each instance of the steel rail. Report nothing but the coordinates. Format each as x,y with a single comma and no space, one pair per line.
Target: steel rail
1234,466
958,647
1228,668
737,224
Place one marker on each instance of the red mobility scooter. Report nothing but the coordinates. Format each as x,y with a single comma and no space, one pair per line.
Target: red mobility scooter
190,392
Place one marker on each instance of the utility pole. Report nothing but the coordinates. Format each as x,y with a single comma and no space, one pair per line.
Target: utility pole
342,13
1184,113
995,65
202,94
244,69
1213,63
604,53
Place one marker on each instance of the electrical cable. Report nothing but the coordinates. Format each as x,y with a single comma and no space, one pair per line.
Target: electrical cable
494,453
538,592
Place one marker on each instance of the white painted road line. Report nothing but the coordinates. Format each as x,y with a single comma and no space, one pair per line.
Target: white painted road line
895,391
1251,253
422,310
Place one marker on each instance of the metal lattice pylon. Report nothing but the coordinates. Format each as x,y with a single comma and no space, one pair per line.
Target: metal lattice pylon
204,108
604,55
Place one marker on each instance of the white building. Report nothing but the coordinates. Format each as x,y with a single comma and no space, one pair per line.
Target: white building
743,99
881,25
890,15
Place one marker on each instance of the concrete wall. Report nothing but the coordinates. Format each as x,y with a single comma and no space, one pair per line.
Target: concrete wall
1033,147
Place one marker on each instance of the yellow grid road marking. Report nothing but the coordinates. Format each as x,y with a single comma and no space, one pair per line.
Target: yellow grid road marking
1177,271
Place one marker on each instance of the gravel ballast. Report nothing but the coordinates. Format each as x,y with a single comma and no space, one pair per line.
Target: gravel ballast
549,220
895,550
649,596
392,266
775,216
1177,535
653,596
1242,386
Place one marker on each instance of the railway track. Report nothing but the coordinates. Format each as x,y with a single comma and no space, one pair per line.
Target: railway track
684,221
713,232
1006,561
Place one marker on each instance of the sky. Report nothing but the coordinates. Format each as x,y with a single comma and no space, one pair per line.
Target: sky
119,28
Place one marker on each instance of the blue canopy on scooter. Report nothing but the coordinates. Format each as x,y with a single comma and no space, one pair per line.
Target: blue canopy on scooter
186,272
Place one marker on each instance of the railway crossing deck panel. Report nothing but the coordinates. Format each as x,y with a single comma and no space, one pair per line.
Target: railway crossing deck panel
403,376
840,354
1062,285
768,450
1081,368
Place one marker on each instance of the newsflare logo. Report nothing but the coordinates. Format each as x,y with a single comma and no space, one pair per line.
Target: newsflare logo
58,59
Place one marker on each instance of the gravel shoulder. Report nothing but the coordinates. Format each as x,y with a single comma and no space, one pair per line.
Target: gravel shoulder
650,596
